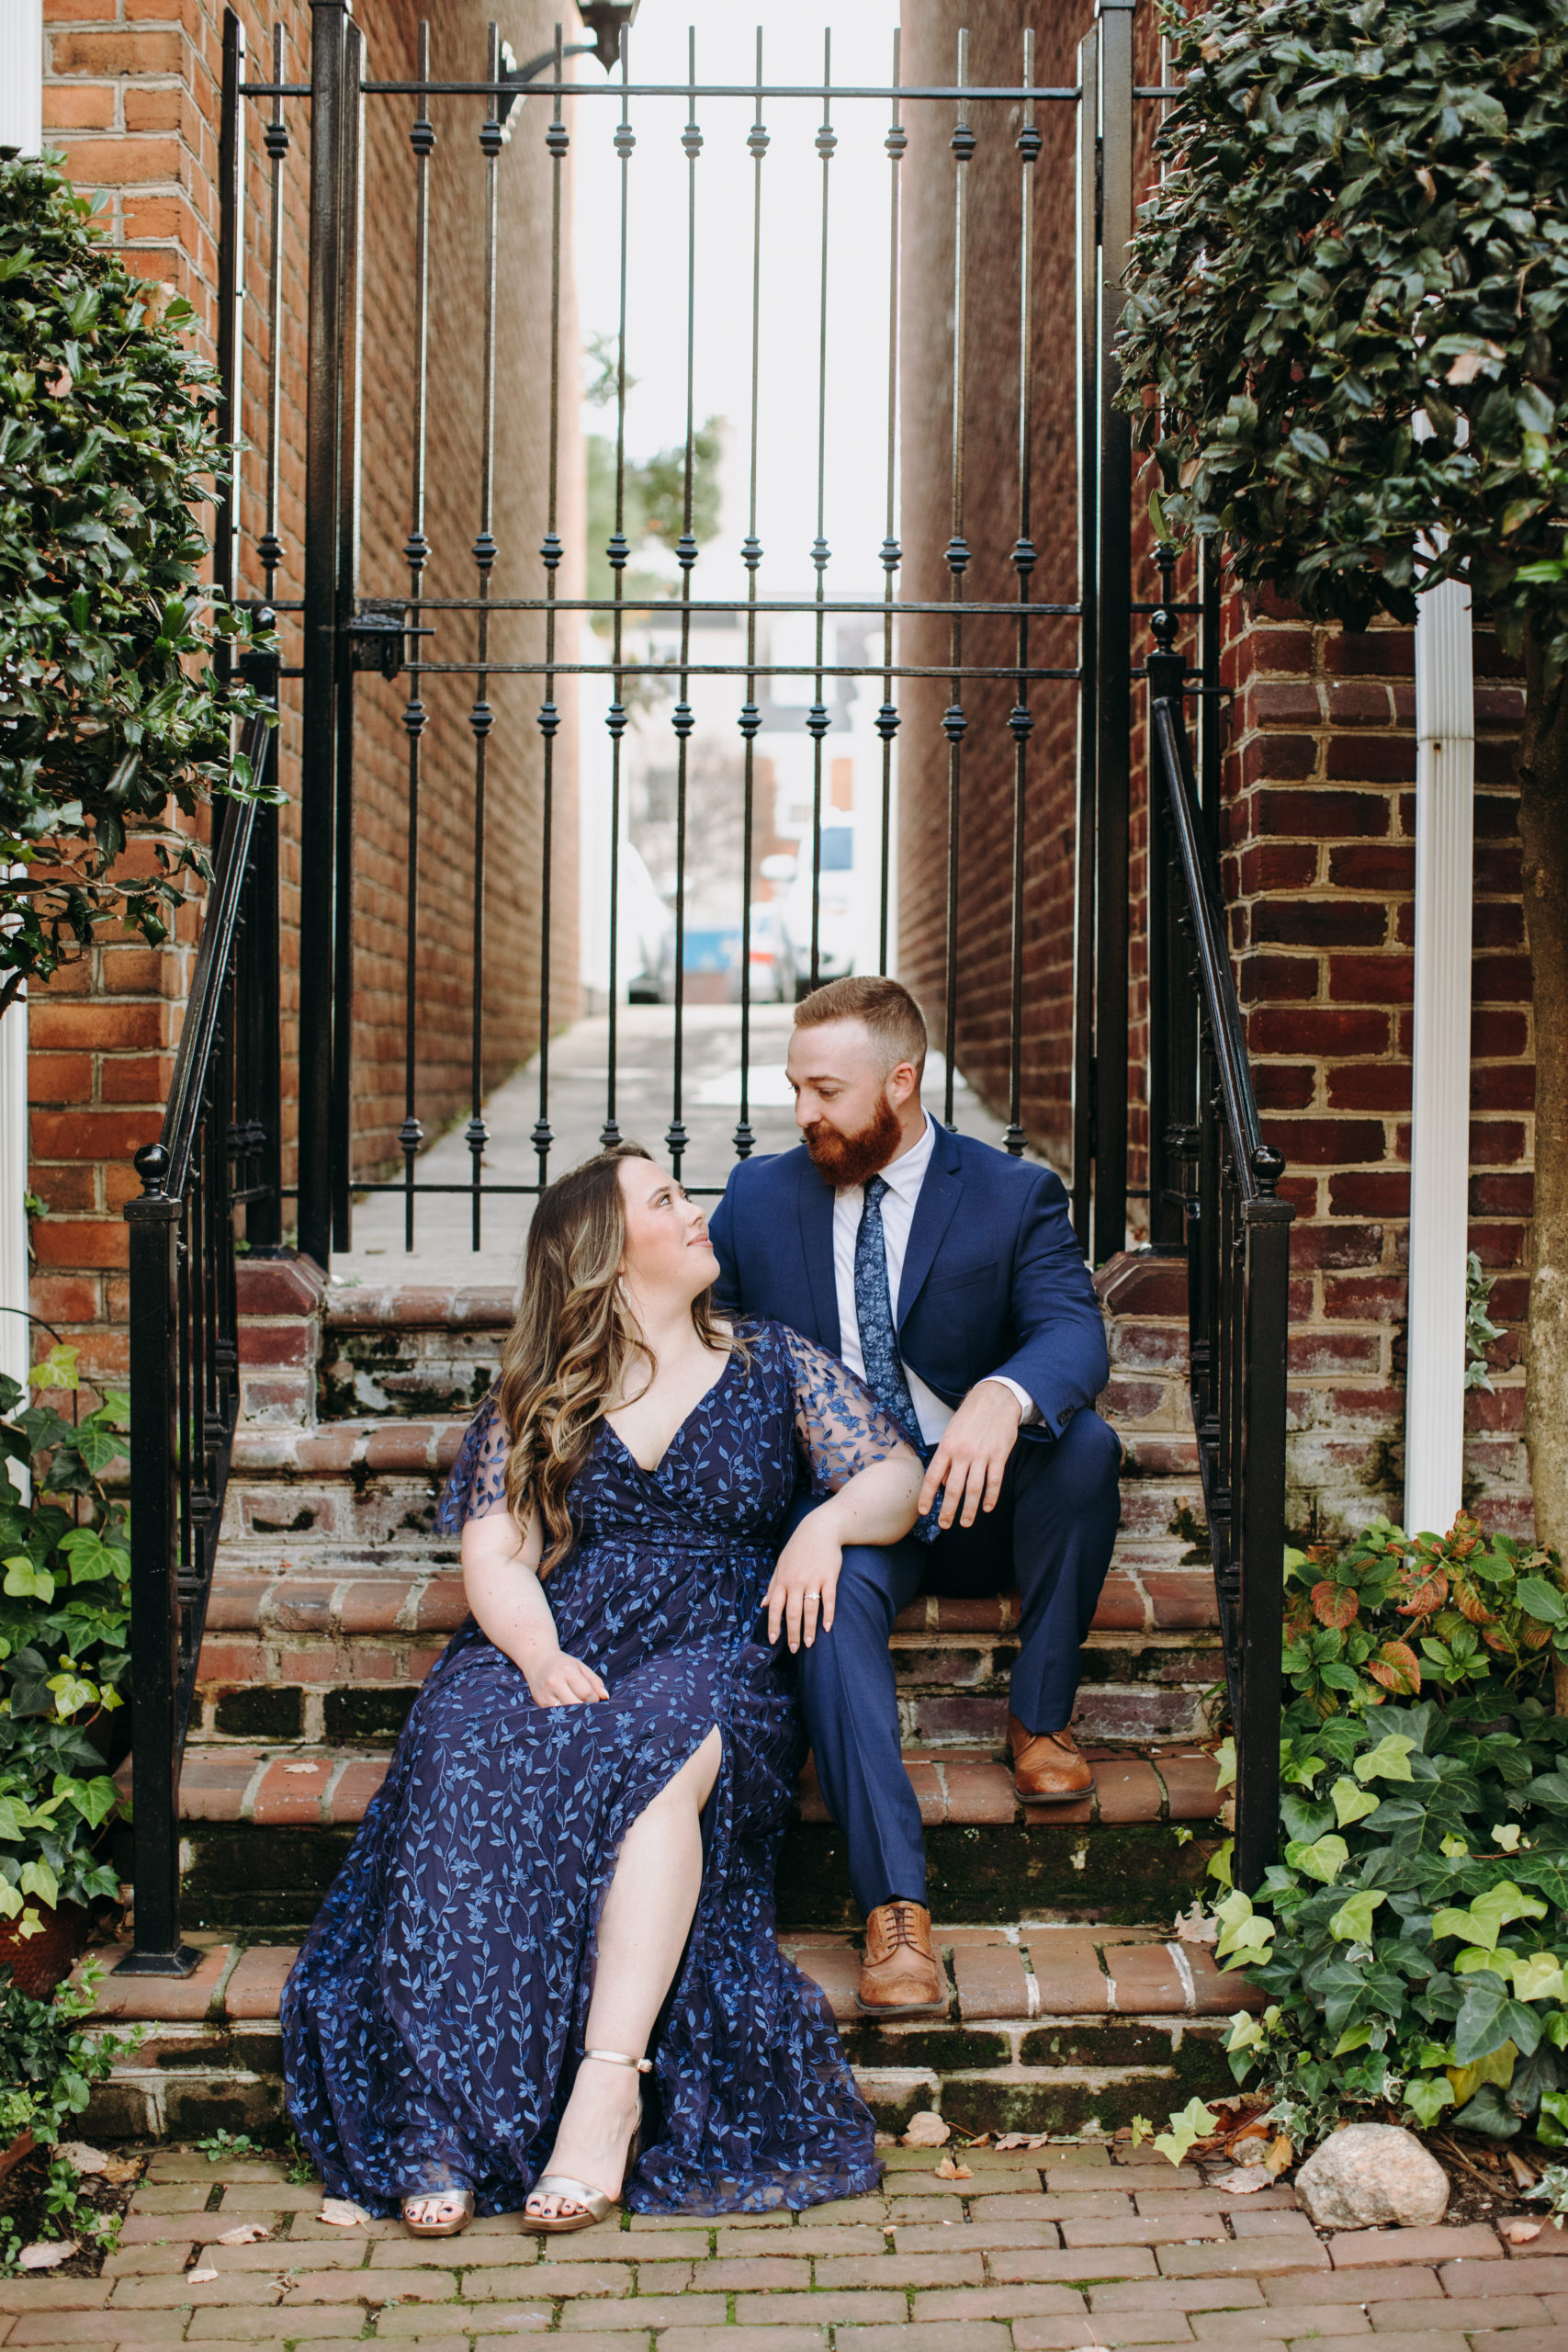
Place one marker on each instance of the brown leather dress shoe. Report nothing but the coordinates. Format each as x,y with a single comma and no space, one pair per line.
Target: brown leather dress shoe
1047,1766
899,1976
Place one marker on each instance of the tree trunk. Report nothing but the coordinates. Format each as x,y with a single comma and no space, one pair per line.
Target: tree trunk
1543,824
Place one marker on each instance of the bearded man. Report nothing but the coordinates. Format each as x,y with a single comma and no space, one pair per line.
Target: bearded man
947,1275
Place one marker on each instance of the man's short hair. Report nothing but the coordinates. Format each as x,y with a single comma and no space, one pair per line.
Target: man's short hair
888,1011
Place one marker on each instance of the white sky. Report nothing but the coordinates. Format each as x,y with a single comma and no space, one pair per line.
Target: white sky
792,194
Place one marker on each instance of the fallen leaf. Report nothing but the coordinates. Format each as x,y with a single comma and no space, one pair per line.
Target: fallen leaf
1245,2181
1280,2153
344,2216
1521,2233
82,2158
981,2140
202,2277
47,2258
1523,2173
123,2168
248,2233
947,2170
1248,2147
1196,1927
302,1768
1021,2139
926,2130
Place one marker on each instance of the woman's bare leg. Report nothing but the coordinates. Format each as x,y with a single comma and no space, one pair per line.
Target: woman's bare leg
642,1933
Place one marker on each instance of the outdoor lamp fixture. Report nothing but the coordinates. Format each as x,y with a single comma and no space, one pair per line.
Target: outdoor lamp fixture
605,20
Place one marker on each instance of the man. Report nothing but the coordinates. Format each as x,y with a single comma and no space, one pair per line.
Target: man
947,1275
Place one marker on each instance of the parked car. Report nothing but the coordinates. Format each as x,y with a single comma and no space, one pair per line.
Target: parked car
835,919
645,942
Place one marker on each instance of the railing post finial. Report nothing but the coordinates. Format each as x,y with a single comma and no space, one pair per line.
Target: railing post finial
151,1164
1268,1166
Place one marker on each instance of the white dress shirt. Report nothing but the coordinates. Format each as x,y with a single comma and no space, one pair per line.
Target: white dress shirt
903,1178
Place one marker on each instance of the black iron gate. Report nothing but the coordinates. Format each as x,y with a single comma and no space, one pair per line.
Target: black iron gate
1212,1184
339,627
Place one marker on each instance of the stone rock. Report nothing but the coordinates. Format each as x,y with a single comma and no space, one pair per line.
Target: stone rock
1372,2174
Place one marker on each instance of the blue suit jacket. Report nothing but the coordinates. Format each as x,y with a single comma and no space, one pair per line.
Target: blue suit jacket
993,1280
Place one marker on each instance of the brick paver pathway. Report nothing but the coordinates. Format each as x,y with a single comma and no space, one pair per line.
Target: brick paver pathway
1067,2246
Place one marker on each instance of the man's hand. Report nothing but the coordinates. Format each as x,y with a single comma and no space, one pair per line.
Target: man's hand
972,1454
805,1583
557,1680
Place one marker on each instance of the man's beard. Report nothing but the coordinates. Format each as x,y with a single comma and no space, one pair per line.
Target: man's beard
849,1159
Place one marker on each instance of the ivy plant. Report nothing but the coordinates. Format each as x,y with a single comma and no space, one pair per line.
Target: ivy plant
1412,1939
111,702
64,1645
1346,347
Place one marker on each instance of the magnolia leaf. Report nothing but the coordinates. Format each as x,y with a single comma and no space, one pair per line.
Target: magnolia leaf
1397,1669
1351,1803
1335,1605
51,2256
1390,1760
1352,1923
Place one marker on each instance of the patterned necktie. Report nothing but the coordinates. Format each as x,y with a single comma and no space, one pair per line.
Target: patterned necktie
873,1313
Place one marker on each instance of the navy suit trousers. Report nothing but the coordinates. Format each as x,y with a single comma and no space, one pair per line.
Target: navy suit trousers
1051,1535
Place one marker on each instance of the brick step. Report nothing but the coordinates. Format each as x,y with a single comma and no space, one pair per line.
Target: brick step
264,1830
1048,2028
306,1647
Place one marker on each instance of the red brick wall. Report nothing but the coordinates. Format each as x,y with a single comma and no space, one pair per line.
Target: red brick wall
132,95
1319,869
991,515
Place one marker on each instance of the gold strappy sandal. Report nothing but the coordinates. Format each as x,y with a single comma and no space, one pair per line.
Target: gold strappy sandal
596,2206
462,2198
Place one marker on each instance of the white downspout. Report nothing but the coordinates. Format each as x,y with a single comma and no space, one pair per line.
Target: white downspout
21,126
1440,1146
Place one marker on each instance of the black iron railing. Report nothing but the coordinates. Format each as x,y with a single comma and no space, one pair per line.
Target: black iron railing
1212,1172
210,1182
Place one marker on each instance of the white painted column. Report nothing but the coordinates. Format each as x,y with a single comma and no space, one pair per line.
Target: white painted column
21,74
21,126
1440,1150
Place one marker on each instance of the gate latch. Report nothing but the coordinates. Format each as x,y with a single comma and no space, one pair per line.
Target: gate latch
376,635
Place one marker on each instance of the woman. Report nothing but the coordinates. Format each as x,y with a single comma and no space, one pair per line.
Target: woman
562,1896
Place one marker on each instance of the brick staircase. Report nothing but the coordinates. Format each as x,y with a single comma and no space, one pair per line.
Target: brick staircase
333,1600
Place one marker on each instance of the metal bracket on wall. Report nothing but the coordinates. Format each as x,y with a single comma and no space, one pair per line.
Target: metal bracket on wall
376,635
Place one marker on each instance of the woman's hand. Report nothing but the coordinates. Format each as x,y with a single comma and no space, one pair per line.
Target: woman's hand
805,1581
557,1680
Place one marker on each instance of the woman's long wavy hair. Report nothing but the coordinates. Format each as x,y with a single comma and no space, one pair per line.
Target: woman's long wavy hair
567,1355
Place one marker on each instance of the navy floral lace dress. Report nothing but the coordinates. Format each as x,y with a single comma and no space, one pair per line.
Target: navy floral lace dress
433,2021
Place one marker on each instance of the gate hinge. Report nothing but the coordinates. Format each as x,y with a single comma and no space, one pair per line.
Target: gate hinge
376,635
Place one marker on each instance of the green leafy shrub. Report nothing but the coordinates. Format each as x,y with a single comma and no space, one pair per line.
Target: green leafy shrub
1412,1939
64,1634
48,2067
110,705
47,2064
1390,1614
1359,220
